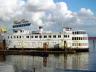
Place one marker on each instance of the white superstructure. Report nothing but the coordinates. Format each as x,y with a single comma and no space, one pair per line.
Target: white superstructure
68,38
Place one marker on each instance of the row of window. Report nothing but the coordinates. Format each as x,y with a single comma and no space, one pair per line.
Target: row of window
79,38
40,36
17,31
35,43
79,44
78,32
21,25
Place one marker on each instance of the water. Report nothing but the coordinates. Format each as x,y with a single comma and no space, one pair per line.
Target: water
53,63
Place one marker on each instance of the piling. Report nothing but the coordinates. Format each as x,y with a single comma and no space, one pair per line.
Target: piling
93,44
45,47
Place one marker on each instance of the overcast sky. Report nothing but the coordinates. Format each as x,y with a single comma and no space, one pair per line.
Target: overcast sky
53,15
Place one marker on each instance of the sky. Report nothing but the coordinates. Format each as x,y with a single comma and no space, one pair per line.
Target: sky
53,15
76,5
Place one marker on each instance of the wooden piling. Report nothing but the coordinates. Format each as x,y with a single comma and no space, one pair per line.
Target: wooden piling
45,46
93,44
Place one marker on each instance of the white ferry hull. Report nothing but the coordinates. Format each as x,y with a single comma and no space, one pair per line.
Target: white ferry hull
66,39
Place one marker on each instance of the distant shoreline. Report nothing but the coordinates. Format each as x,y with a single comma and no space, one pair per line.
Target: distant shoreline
92,38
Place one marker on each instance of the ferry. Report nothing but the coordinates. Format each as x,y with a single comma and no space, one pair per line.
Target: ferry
67,38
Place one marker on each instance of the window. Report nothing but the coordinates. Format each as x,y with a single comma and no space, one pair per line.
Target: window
20,36
75,44
81,38
65,36
77,32
72,32
72,38
31,36
54,36
84,32
49,36
20,30
27,36
11,36
68,36
78,44
72,44
36,36
17,36
15,31
45,36
77,38
40,36
59,36
14,36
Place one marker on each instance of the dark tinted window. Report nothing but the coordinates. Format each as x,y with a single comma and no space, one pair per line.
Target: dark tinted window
8,36
14,36
27,36
49,36
59,36
20,36
72,38
54,36
40,36
31,36
68,35
65,36
36,36
45,36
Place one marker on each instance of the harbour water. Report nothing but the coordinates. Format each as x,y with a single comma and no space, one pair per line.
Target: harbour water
52,63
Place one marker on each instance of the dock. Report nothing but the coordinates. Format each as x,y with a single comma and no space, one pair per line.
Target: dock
41,51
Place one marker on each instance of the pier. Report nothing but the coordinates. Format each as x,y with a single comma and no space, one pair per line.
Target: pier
41,51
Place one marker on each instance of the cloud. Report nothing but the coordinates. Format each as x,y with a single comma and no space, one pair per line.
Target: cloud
9,8
45,13
39,5
85,12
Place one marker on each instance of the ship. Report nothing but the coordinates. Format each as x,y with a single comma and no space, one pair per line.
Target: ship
67,38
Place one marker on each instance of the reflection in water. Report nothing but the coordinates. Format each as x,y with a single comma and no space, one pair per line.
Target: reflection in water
52,63
92,55
2,58
44,61
65,61
48,64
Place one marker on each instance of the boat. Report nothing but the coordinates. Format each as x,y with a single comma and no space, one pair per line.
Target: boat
67,38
